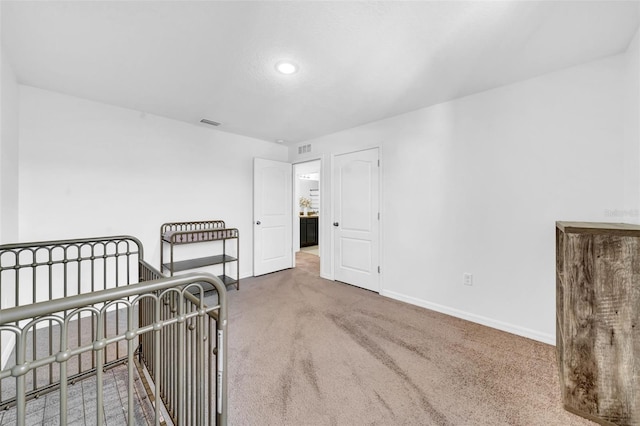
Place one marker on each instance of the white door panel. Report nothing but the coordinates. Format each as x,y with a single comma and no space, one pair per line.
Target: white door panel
356,255
356,223
272,216
272,246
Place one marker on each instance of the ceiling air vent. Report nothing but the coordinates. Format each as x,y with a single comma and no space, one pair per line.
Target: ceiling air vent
303,149
211,122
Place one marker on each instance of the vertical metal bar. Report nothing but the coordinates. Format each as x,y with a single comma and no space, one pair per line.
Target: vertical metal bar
104,265
64,346
98,345
129,261
187,372
34,291
237,261
167,342
65,280
210,370
221,326
17,283
51,322
171,258
130,356
195,385
93,266
171,358
118,332
163,343
105,316
116,282
175,336
65,276
200,333
93,321
193,356
16,292
21,390
158,372
50,352
181,361
142,321
162,231
195,389
189,355
224,258
117,268
168,355
188,397
173,387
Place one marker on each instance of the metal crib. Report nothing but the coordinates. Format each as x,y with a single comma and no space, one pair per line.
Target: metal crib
73,309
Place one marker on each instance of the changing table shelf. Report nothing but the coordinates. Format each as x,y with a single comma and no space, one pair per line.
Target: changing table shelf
183,265
181,233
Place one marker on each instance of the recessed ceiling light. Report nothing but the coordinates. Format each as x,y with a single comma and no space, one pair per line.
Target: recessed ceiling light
286,67
279,140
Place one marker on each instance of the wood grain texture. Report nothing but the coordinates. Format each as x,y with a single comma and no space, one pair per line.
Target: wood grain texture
598,228
598,317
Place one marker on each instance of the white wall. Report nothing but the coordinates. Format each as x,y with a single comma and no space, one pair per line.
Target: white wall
90,169
475,185
9,95
8,152
631,211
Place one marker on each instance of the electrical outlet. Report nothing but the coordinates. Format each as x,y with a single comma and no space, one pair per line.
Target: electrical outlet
467,279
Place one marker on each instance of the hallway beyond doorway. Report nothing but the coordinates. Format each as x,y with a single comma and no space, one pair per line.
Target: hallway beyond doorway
315,250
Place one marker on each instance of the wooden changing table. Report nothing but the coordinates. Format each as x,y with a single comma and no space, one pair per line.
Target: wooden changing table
598,320
180,233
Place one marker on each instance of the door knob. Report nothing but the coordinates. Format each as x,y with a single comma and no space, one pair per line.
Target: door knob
336,224
258,223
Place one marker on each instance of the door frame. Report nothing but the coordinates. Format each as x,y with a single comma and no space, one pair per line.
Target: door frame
380,209
295,210
327,166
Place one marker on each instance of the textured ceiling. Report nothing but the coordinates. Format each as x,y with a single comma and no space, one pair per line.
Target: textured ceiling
359,61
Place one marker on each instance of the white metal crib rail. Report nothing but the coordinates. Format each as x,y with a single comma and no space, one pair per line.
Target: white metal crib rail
98,318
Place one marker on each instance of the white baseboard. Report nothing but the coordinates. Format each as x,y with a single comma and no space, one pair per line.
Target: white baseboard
489,322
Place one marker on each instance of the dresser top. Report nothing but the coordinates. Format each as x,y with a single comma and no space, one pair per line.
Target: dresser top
599,228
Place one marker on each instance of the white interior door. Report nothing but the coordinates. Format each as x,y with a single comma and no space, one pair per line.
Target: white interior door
355,219
272,221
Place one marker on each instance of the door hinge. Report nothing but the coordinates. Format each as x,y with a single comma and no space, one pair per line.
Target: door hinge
378,163
378,269
378,215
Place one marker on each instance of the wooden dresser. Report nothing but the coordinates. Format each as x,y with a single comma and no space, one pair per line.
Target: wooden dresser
598,320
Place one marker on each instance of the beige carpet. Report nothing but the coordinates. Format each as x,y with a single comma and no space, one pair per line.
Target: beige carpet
307,351
311,249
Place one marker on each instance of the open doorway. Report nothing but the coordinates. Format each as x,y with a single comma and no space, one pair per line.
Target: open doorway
306,229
